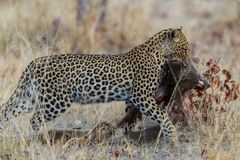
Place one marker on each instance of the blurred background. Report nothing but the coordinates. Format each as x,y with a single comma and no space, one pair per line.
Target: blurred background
41,27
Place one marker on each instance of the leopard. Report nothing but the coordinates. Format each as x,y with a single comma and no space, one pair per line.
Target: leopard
49,85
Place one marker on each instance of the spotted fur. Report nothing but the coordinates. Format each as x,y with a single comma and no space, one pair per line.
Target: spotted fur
49,85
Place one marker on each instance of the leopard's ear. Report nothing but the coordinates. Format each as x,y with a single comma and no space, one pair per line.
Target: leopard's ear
180,28
170,34
174,34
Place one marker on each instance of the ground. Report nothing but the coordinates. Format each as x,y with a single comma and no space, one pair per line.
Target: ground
30,29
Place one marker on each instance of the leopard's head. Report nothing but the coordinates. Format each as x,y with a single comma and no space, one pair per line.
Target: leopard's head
170,44
177,46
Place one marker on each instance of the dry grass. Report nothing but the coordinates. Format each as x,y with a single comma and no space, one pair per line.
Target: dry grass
30,29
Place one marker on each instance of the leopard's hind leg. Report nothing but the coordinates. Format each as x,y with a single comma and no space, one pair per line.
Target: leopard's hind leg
23,100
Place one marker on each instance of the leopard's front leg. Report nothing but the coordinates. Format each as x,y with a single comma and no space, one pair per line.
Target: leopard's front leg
148,106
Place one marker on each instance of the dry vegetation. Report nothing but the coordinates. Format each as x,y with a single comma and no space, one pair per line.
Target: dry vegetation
30,29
